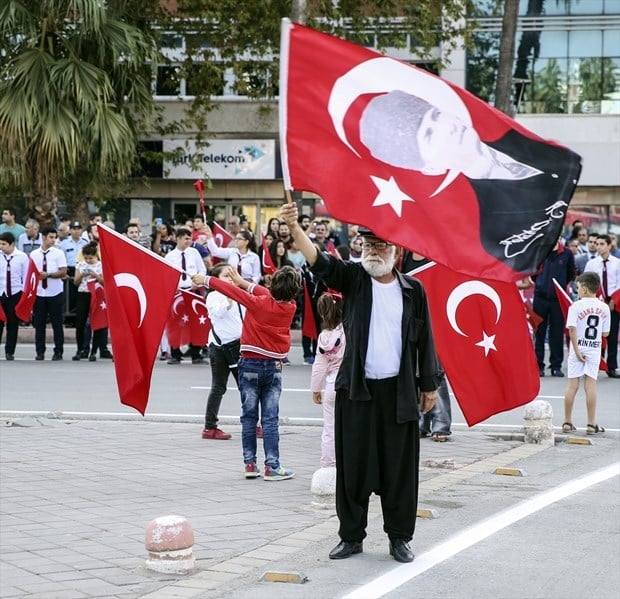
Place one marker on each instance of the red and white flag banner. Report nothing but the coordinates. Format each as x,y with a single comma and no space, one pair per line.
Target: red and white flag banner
483,341
139,289
411,156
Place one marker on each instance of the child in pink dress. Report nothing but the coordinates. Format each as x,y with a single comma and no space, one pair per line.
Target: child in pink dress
330,351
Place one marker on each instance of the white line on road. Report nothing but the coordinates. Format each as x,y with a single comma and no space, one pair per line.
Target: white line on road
474,534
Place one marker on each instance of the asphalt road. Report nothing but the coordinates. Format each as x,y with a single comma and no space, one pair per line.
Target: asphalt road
180,391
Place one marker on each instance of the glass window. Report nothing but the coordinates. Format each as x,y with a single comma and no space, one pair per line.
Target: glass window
168,81
553,43
610,102
612,7
585,43
547,91
590,7
611,43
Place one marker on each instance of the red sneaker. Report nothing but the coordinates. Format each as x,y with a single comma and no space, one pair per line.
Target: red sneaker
215,433
259,432
251,470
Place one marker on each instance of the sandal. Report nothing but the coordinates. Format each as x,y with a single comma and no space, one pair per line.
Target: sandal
593,429
440,438
568,427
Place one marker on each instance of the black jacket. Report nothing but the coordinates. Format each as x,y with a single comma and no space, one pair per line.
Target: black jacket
419,368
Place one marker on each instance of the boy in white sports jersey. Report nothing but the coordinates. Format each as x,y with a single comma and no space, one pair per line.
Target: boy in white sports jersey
588,321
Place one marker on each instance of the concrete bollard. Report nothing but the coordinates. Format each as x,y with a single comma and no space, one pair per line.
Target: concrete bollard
169,541
323,488
538,417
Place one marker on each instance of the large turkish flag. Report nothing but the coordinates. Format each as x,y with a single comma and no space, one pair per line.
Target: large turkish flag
139,290
417,159
483,341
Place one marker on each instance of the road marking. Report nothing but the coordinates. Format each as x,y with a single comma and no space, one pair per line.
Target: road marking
474,534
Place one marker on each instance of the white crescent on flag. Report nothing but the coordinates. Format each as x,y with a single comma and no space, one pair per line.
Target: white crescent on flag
127,279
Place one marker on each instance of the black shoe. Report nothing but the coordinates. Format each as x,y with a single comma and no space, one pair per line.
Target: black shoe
83,354
9,357
399,550
92,358
174,361
557,372
106,354
39,357
56,357
345,549
199,361
612,374
77,357
541,372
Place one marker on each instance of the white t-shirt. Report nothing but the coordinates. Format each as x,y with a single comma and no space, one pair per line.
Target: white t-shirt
385,335
591,318
54,260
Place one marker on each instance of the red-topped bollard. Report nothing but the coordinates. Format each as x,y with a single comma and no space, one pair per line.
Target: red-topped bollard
169,541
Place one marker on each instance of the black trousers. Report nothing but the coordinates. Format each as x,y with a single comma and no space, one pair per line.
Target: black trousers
12,322
53,307
219,379
612,341
375,454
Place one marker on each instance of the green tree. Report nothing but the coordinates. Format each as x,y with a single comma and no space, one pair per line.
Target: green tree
74,93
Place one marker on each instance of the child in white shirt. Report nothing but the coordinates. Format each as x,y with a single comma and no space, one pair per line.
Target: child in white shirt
588,321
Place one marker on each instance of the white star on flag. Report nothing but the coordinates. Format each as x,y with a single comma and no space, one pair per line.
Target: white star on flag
488,343
185,319
202,319
102,305
390,193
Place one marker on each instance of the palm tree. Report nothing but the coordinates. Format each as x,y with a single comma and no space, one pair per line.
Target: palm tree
75,91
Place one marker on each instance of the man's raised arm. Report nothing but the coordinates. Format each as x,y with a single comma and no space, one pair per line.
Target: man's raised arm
288,213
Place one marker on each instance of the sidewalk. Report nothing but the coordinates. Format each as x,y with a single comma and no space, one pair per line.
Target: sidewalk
76,498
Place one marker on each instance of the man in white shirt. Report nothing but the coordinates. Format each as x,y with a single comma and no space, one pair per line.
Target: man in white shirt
52,266
13,272
188,260
607,267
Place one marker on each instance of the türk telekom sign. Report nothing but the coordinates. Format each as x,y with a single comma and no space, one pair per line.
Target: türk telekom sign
221,159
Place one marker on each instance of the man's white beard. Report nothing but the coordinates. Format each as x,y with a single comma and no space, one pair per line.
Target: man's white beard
376,266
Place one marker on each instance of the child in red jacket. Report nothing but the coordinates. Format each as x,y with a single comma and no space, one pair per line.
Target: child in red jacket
265,341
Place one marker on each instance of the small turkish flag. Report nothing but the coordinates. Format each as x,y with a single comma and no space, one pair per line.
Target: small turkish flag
483,341
268,266
2,314
177,323
222,239
98,312
199,323
23,309
405,153
139,289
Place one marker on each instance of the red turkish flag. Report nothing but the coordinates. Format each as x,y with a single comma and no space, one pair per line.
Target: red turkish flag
199,323
139,289
268,266
177,323
2,314
565,303
482,340
405,153
98,312
222,239
308,325
23,309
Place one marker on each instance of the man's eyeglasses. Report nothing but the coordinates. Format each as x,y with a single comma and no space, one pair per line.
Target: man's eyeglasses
378,245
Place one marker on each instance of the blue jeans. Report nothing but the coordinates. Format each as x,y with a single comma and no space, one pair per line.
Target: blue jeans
260,383
439,419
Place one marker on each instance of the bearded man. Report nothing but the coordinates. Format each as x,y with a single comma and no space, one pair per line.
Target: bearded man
389,366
